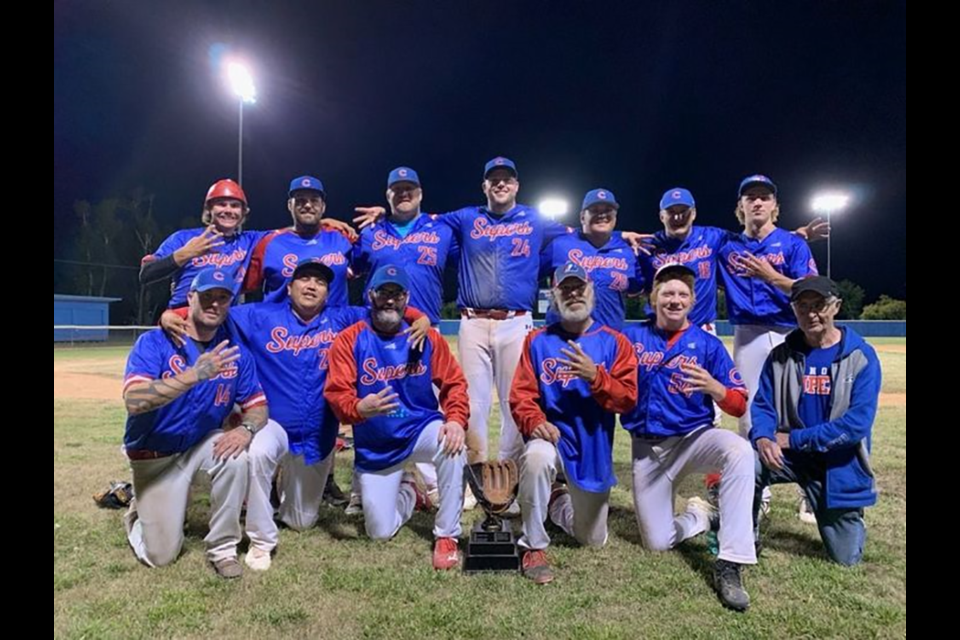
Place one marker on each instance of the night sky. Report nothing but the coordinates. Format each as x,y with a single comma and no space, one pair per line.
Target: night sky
636,97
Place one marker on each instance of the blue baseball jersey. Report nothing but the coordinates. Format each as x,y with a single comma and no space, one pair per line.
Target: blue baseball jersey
233,259
500,256
292,362
181,424
700,251
365,362
277,255
422,253
666,406
751,300
586,419
612,269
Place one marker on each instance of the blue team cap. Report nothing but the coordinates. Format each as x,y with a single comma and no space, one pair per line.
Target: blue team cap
403,174
210,279
757,180
306,183
599,196
390,274
675,196
500,163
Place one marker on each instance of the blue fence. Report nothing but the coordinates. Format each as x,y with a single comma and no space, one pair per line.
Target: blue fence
866,328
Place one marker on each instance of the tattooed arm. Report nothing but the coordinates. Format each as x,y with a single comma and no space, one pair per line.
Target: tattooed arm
150,396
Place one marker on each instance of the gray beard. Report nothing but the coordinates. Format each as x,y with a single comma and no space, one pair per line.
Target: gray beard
387,320
576,316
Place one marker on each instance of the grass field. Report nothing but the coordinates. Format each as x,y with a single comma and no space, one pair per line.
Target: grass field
333,583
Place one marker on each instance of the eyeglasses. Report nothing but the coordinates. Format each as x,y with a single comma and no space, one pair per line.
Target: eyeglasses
385,294
820,306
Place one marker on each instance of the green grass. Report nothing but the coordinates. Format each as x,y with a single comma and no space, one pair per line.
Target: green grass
333,583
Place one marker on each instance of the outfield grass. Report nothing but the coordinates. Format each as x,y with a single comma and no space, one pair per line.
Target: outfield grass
334,583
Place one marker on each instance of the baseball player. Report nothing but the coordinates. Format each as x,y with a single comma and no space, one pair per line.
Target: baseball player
279,252
500,248
683,371
759,268
290,343
221,244
176,399
421,245
385,389
573,377
606,257
409,238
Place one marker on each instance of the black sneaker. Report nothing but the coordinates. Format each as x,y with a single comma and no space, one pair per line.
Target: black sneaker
729,585
333,495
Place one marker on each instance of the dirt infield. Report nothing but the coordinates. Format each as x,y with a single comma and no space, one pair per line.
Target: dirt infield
893,399
891,348
93,379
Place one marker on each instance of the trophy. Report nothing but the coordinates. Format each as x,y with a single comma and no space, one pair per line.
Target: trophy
493,543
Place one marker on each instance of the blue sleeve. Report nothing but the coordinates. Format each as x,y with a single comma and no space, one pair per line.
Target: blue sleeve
453,253
721,237
171,244
722,367
361,255
349,316
644,272
553,230
546,261
243,320
454,220
856,422
763,414
802,263
347,249
637,279
248,384
144,359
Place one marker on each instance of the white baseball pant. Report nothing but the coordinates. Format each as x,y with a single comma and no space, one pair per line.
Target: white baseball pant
489,354
659,465
154,522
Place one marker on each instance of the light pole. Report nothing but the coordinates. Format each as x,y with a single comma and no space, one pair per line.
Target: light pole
242,84
829,203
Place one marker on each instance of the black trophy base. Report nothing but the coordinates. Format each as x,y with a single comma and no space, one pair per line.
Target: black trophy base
492,550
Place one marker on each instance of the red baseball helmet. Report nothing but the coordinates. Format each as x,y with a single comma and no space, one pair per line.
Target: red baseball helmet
225,189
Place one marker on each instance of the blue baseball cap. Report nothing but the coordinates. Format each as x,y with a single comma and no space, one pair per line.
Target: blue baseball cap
390,274
403,174
211,279
569,270
599,196
314,265
500,163
306,183
675,196
757,180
